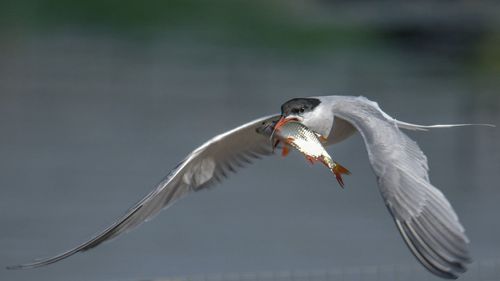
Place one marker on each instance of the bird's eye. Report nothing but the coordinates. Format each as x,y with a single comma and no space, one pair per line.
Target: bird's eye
298,110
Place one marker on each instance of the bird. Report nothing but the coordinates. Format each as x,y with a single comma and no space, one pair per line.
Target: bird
424,217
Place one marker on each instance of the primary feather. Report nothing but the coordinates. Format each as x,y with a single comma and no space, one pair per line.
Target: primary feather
208,164
425,219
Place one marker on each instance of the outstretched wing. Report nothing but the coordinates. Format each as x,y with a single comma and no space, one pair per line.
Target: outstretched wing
208,164
424,217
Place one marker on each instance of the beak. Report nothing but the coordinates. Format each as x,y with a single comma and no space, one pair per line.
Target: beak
280,122
283,120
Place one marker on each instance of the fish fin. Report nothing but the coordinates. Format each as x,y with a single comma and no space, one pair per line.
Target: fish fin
321,138
310,159
338,170
285,151
275,144
341,169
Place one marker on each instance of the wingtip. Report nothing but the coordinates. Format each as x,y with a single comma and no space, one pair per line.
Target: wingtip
34,264
16,267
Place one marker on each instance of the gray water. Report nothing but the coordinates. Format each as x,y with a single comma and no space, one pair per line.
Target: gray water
90,124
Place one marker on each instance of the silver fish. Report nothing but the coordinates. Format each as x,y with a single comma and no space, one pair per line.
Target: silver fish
297,135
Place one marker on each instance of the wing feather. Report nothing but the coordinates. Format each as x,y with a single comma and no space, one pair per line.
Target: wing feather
424,217
202,168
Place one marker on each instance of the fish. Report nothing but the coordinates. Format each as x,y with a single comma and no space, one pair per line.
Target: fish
292,133
266,128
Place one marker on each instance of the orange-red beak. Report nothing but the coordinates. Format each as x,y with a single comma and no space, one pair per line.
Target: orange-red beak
283,120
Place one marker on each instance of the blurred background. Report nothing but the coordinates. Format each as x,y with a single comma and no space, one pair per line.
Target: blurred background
100,99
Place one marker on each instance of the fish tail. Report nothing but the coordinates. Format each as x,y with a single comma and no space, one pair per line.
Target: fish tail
285,151
338,170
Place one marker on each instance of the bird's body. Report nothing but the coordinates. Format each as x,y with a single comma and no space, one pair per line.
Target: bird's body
422,214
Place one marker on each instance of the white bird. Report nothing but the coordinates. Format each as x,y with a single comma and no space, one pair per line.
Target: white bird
425,219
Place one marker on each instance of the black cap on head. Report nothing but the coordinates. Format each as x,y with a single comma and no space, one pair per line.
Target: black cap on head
299,105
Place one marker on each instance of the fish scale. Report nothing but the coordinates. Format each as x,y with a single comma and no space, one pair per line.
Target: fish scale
300,137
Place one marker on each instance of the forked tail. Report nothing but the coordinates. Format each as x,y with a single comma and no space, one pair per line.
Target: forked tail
417,127
338,170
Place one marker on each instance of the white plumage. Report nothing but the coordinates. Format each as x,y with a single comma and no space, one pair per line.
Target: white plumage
422,214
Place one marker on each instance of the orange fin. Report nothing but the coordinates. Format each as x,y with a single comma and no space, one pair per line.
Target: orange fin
285,151
338,170
321,138
310,159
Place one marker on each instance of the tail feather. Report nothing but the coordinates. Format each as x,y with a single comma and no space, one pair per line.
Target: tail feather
417,127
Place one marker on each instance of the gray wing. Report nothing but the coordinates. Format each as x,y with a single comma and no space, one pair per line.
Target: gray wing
208,164
424,217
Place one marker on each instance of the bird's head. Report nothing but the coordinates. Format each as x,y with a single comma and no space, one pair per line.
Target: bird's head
310,112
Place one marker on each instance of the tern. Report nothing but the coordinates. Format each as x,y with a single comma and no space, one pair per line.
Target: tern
424,217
